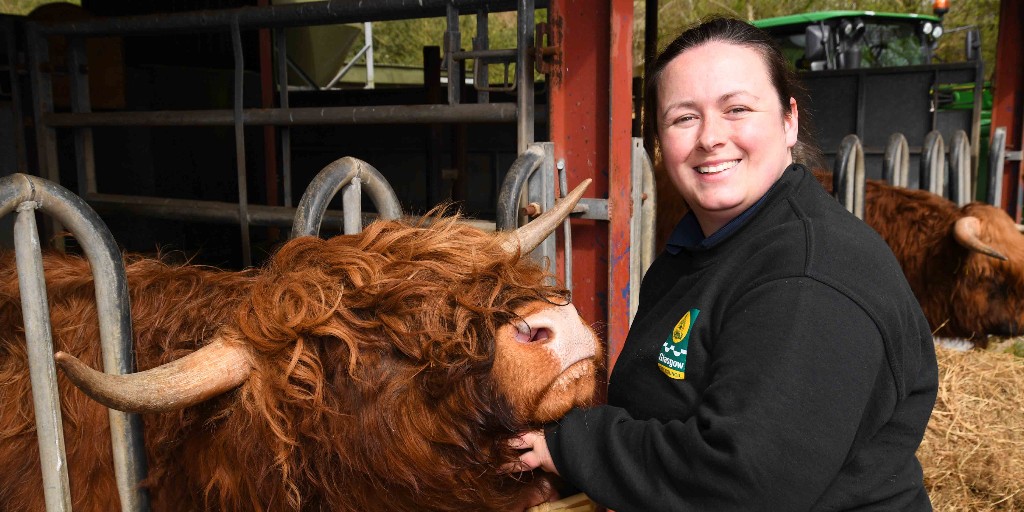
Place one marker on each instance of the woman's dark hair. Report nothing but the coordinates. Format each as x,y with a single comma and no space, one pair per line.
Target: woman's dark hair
739,32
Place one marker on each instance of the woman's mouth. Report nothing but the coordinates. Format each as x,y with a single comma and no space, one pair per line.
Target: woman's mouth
717,168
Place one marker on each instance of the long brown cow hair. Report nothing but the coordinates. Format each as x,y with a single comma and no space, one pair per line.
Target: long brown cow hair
371,387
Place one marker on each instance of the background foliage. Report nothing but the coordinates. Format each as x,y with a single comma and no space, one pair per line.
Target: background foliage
402,42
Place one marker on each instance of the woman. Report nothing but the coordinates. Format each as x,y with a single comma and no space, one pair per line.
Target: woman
778,360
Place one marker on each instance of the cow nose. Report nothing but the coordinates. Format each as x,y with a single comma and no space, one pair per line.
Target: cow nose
560,330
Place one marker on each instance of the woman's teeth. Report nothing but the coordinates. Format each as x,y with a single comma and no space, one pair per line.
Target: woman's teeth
712,169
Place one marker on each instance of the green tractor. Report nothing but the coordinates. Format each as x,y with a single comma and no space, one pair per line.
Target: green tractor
873,74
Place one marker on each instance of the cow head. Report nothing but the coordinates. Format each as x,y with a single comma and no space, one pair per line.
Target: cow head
988,296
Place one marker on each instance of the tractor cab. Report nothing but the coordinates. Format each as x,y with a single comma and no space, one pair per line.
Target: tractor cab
855,39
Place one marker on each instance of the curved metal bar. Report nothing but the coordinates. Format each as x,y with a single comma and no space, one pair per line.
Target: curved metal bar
333,178
848,176
563,187
933,163
960,168
113,308
896,166
996,164
648,215
507,215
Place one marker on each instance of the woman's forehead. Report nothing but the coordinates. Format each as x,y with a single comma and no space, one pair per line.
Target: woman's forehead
715,69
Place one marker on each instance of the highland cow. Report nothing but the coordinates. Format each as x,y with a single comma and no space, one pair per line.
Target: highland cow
385,370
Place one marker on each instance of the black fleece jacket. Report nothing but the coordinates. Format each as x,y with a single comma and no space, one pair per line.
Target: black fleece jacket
785,366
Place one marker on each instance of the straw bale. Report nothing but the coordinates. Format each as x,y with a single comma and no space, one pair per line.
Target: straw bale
973,450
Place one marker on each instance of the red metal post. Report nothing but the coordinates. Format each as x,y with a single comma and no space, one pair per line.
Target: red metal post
620,205
590,119
578,120
1007,101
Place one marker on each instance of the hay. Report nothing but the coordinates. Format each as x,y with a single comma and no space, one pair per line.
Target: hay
973,450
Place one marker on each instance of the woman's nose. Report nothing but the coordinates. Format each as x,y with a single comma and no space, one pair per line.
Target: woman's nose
712,134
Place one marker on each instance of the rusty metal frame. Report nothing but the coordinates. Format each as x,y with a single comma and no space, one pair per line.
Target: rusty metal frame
1008,107
590,119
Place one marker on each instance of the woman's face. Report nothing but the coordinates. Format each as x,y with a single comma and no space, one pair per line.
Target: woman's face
724,138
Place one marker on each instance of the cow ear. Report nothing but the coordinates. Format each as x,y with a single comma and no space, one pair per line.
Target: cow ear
528,237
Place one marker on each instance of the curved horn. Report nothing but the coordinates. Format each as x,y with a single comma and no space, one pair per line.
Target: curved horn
528,237
966,230
199,376
1020,227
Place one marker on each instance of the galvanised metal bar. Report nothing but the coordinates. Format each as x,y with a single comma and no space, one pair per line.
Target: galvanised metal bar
201,211
996,165
525,23
21,157
113,308
243,188
85,161
481,79
635,224
507,214
563,188
42,102
452,44
380,114
42,370
273,16
642,222
933,163
540,190
896,164
848,177
329,181
351,205
960,168
281,47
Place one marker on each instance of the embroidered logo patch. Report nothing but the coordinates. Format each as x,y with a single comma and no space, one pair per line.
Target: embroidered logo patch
672,359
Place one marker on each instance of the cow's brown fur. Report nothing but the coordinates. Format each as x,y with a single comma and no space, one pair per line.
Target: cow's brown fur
371,387
963,294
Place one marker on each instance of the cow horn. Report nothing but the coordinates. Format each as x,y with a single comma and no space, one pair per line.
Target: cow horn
1020,227
966,230
201,375
528,237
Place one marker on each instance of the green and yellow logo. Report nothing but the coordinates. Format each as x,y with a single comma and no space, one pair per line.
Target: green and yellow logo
672,359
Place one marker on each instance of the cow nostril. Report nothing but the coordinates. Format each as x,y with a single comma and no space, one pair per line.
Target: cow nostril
541,335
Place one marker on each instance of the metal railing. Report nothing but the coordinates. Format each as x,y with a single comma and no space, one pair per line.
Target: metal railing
82,120
28,194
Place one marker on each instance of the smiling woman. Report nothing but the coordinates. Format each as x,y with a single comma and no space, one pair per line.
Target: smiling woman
778,359
724,142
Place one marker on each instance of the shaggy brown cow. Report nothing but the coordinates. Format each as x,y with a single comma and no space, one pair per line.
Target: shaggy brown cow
380,371
965,265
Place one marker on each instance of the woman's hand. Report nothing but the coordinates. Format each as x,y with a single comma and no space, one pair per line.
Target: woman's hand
534,452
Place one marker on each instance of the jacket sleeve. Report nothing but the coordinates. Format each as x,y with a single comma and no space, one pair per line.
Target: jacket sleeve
797,366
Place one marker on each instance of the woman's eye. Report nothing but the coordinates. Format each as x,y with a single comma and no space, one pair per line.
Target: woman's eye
738,110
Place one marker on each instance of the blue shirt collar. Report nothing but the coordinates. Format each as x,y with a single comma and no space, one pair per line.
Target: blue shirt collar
688,235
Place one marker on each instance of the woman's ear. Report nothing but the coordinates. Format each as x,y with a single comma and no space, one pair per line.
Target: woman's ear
792,123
